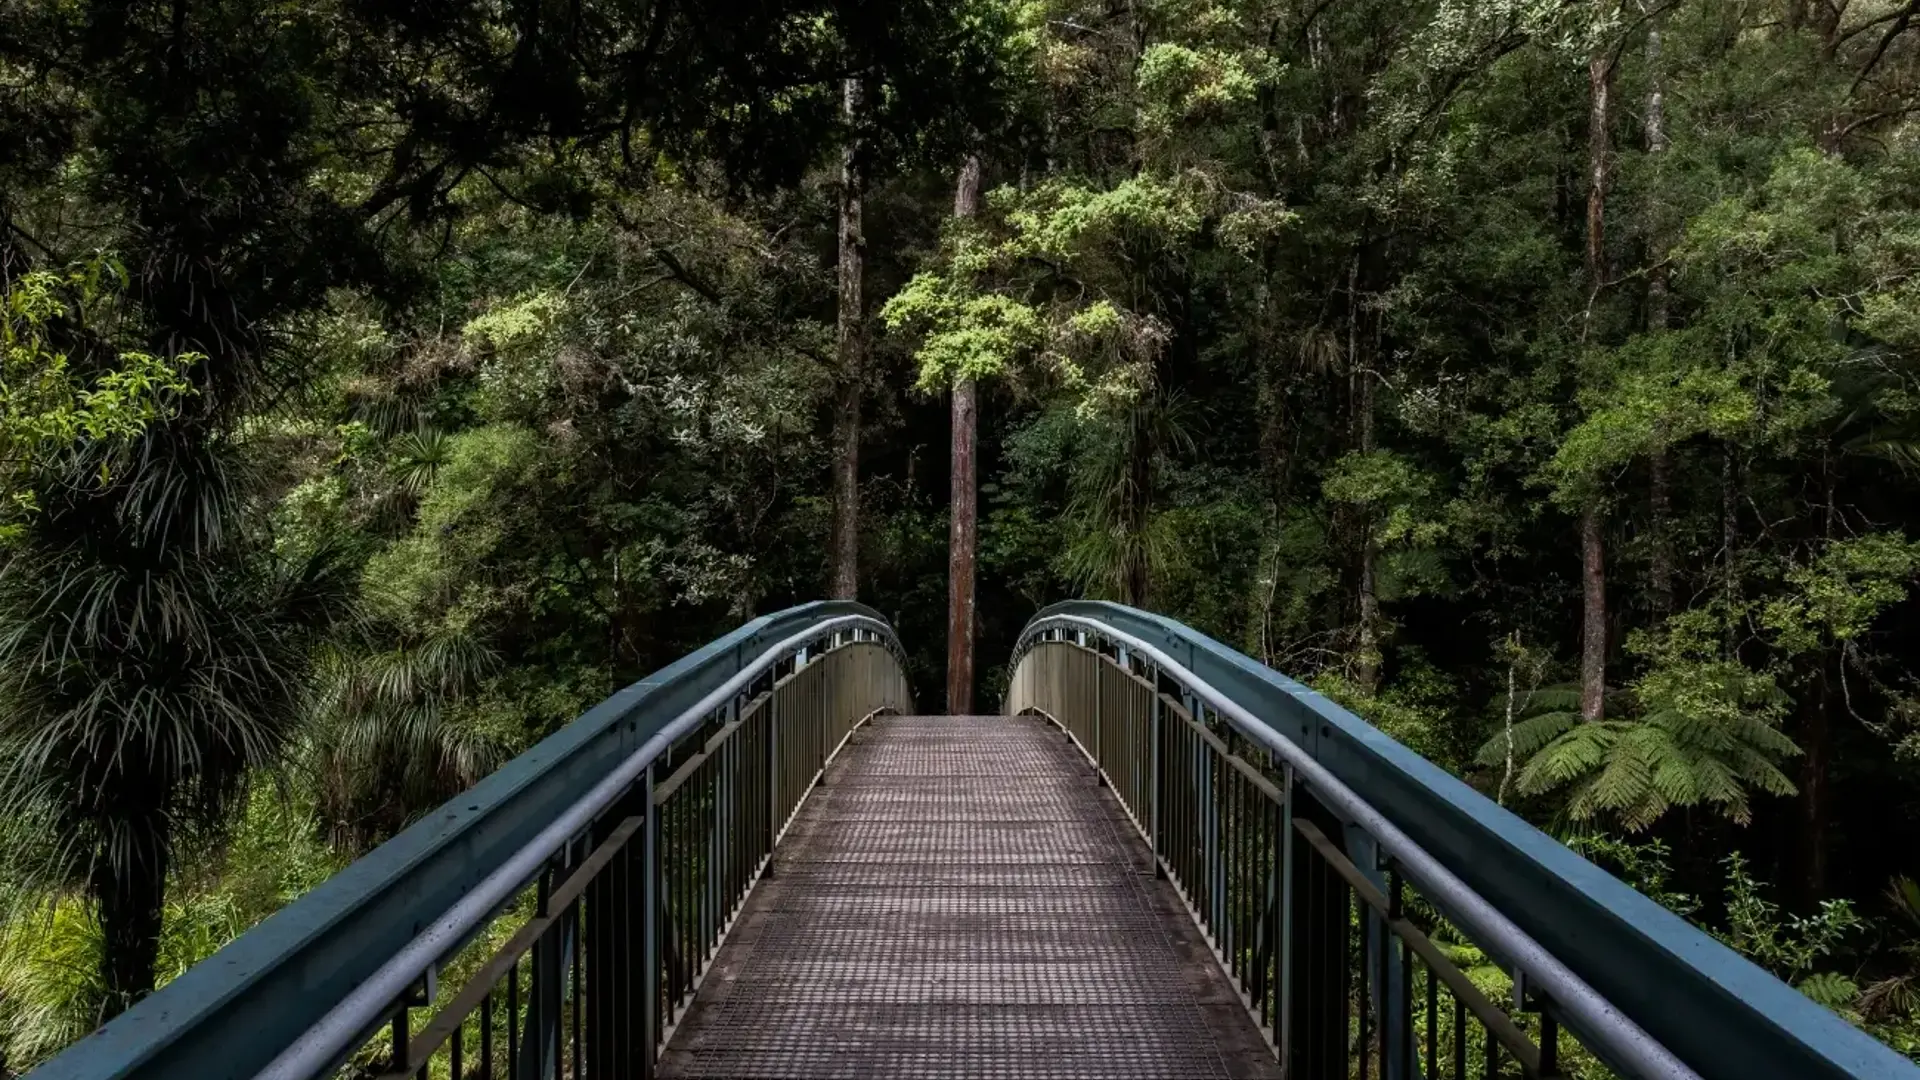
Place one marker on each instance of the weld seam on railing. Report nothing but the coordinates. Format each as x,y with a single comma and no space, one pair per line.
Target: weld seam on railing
1615,1032
323,1044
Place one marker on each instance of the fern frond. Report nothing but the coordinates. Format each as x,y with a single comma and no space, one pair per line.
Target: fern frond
1529,736
1566,758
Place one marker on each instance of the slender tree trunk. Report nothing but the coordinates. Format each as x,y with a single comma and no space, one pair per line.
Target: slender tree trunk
1360,390
132,897
845,542
1593,574
1816,743
964,539
1729,532
1660,470
1593,625
1135,507
1506,778
1599,170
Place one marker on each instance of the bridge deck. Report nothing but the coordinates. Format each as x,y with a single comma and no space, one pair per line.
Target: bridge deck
960,899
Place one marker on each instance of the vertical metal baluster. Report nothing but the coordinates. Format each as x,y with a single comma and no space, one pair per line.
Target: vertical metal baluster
682,917
1365,1003
578,983
1433,1021
1191,816
1252,882
623,1004
456,1049
1283,950
1493,1055
513,1019
1383,987
1459,1038
1230,855
770,717
1549,1042
1312,947
1154,839
486,1034
400,1037
1099,723
649,927
1406,1034
1253,878
694,881
1183,867
716,823
539,976
742,811
672,917
1217,867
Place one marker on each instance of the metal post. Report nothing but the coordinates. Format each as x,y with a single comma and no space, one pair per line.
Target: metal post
650,931
1099,720
1153,810
772,779
1216,866
1283,961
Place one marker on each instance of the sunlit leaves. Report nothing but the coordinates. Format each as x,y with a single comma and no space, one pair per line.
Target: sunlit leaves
1837,595
52,400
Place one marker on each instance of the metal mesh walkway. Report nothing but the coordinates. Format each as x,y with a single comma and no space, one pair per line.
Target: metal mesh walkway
959,899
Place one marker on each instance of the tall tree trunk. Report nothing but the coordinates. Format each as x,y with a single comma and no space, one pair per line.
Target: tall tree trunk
132,897
1816,743
1134,506
1660,471
1593,579
964,539
1729,533
1360,388
1593,623
1599,170
845,543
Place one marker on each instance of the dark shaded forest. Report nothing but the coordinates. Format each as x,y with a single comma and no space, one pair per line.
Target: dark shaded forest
386,383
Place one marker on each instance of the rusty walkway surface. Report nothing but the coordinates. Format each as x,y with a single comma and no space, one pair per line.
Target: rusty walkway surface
960,899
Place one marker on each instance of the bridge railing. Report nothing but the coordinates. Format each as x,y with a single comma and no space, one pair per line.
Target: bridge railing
556,919
1358,894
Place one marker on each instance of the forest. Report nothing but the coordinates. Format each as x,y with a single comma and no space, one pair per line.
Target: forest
386,382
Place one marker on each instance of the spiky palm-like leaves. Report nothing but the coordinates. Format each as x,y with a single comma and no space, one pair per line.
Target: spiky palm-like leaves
389,739
1898,995
1121,542
151,658
417,458
1704,735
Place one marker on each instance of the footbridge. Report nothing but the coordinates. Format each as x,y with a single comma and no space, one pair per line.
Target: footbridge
1161,860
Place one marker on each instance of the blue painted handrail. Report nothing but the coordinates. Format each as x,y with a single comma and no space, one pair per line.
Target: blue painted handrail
1724,1016
226,1018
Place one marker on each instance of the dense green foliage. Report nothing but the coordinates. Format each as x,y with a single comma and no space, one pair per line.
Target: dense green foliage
385,383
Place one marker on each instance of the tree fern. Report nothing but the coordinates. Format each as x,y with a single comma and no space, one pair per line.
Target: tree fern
1693,732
